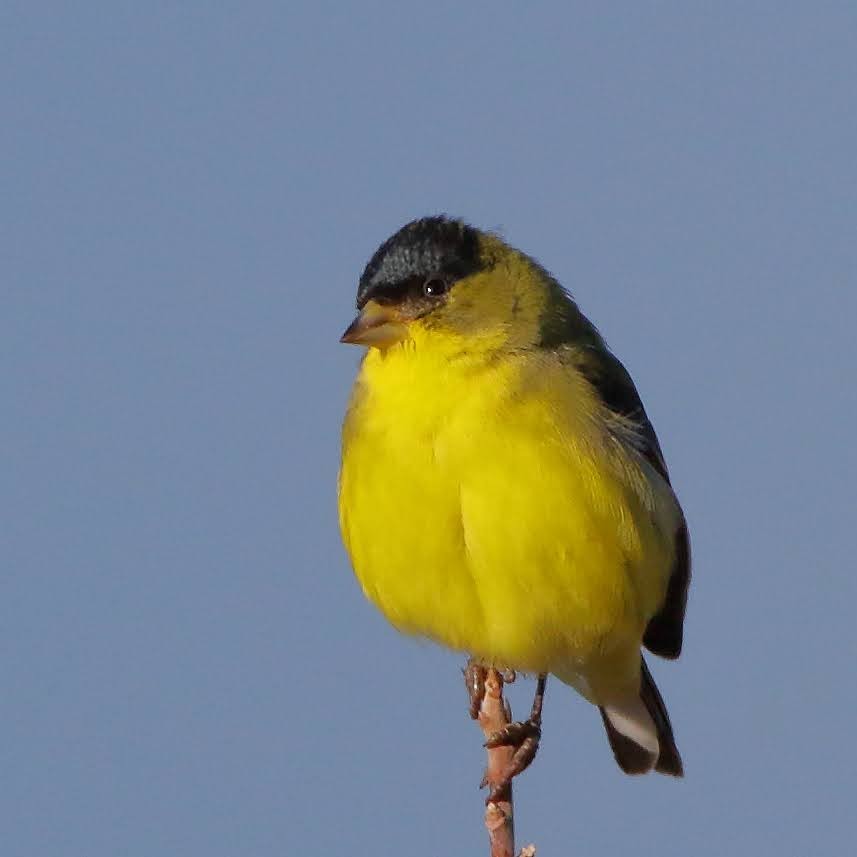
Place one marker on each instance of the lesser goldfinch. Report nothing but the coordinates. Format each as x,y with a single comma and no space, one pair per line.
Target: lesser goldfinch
502,491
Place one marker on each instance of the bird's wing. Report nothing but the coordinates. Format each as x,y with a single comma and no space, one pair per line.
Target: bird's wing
611,381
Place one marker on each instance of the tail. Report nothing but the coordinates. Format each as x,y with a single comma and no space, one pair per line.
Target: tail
640,732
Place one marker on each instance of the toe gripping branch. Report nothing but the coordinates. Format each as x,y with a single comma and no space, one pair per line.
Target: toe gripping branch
520,737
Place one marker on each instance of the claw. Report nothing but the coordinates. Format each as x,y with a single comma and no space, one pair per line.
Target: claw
474,680
515,734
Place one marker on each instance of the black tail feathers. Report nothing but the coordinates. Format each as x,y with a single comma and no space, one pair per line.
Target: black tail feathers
640,732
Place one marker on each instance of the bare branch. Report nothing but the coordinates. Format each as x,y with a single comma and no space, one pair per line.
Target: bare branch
488,706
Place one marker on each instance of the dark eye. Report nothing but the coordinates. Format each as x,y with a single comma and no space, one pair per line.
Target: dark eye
434,287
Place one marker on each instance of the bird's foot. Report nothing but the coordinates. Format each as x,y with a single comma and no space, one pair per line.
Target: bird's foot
523,736
474,680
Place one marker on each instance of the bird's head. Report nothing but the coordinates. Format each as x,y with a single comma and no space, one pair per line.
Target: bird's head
440,283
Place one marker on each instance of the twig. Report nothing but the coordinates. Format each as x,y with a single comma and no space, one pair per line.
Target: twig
499,818
493,715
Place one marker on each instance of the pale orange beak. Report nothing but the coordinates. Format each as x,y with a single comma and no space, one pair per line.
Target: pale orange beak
377,325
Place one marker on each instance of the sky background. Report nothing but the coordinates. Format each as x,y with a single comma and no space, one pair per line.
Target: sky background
188,195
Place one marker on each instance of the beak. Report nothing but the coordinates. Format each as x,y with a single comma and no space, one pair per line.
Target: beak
376,325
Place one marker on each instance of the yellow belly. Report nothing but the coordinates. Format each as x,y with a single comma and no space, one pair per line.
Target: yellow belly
490,512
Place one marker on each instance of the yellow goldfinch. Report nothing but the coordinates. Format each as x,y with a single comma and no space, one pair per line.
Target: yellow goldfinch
502,491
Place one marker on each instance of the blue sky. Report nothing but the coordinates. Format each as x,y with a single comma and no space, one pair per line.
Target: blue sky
189,195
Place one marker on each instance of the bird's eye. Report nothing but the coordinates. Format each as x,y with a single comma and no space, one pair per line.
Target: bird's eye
434,287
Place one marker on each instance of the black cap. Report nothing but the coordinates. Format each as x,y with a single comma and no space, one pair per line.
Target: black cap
431,246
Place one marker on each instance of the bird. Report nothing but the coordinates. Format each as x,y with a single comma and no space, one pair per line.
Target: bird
502,491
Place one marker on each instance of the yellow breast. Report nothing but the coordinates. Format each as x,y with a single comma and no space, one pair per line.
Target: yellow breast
485,504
